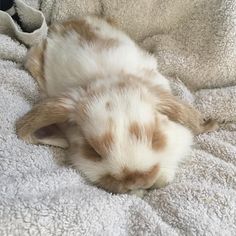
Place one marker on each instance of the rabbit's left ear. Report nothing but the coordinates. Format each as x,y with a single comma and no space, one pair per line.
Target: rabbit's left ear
51,135
180,112
40,125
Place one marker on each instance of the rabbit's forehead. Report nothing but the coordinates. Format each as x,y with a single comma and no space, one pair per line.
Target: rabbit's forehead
126,140
119,126
121,108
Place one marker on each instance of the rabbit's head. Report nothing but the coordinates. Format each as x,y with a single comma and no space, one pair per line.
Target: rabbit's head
116,136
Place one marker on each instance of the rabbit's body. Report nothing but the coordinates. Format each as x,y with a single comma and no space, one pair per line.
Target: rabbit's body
124,129
107,53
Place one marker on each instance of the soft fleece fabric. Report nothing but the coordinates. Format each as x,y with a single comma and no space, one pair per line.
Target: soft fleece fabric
194,42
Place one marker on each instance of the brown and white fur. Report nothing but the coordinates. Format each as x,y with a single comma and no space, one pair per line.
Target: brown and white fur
107,103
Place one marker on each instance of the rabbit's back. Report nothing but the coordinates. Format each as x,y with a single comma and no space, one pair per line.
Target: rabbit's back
90,48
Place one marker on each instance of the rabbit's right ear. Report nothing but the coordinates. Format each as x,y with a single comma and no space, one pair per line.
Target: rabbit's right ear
40,125
180,112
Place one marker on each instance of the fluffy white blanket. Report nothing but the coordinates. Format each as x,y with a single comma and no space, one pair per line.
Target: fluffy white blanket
194,42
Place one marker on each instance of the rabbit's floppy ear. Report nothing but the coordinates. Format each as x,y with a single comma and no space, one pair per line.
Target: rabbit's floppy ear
183,113
40,125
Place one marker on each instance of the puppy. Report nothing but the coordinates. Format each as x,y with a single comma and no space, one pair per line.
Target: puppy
105,101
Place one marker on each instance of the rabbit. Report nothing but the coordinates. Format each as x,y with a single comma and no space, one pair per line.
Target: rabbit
104,101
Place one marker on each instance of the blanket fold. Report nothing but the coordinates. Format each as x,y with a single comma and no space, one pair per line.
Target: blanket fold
33,21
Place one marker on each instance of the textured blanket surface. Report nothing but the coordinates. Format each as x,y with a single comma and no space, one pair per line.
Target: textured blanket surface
195,45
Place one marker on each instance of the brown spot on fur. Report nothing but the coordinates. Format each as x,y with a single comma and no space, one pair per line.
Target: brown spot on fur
129,180
122,84
129,81
149,132
139,178
102,144
141,132
80,26
106,43
108,106
158,140
85,32
135,130
111,21
35,63
107,140
89,153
